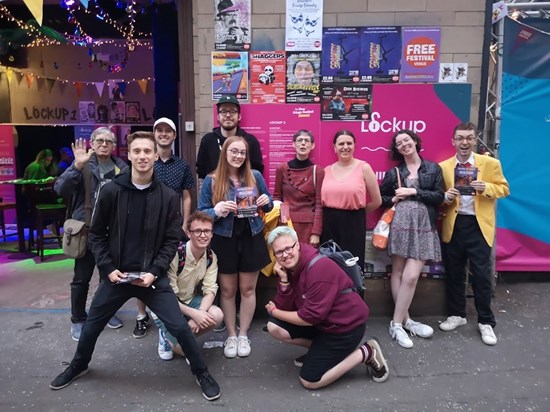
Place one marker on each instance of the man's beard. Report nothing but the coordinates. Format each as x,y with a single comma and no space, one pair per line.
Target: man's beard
228,129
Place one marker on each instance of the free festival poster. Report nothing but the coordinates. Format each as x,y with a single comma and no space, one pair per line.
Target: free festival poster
420,55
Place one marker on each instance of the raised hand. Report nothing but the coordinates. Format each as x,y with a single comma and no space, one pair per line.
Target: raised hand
81,154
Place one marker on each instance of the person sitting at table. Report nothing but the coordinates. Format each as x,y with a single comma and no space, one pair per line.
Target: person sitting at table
44,166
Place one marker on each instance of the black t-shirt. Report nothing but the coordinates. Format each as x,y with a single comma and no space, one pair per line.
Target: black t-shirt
133,241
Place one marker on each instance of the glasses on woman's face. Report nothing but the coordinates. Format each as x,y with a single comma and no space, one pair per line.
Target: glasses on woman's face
305,140
237,152
200,232
287,250
101,141
406,140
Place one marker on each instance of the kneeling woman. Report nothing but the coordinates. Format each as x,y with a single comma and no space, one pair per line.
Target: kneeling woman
316,308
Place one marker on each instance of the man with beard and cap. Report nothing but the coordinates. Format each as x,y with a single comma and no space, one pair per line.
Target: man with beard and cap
175,173
229,116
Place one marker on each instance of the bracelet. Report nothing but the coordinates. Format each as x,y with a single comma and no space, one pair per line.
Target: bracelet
271,312
284,283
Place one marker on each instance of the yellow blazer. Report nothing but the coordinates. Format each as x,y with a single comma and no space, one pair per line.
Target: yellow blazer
496,186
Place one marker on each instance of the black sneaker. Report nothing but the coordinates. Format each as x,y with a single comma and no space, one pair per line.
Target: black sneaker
210,388
377,365
141,327
299,361
67,376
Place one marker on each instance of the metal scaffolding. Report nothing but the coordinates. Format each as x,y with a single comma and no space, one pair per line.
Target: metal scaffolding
516,9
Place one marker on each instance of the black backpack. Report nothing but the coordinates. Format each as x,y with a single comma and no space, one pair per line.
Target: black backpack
182,254
345,260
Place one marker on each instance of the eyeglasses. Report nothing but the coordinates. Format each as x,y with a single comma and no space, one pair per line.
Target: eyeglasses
199,232
236,152
468,139
101,141
305,140
402,142
231,112
286,250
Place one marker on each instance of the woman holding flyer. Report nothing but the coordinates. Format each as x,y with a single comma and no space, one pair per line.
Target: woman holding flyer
416,191
232,195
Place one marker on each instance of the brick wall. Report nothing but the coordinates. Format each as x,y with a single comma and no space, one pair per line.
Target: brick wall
461,25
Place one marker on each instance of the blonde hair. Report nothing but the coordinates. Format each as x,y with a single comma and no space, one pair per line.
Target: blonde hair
220,177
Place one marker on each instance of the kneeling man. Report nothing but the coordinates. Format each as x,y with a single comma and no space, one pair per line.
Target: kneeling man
316,307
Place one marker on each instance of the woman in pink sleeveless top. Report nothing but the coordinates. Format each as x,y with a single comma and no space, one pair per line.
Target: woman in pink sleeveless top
349,191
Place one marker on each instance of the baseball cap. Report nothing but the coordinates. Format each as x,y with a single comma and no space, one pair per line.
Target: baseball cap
228,99
167,121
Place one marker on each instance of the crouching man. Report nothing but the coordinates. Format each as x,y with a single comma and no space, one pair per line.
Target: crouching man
315,307
135,231
193,274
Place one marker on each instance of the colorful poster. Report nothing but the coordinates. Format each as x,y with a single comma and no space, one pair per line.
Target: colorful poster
420,56
133,112
268,76
230,74
117,111
304,23
341,57
345,101
302,75
8,169
86,111
523,234
232,28
381,48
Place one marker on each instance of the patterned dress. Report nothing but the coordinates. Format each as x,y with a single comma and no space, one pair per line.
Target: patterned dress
411,235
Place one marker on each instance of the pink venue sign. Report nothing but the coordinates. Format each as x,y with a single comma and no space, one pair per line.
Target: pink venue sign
419,107
7,168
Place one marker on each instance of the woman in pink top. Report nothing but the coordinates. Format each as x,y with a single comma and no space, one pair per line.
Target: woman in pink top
348,193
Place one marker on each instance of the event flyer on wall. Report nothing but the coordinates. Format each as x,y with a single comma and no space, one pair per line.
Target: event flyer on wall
304,23
346,101
381,48
232,28
302,74
267,76
341,57
420,55
230,74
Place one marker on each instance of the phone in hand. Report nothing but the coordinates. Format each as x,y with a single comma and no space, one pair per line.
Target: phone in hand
131,276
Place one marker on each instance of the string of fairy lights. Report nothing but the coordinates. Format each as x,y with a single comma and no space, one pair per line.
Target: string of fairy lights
80,38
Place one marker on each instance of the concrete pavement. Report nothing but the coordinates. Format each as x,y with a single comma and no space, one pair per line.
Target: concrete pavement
450,371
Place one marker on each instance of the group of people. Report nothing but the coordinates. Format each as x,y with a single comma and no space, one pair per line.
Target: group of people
174,261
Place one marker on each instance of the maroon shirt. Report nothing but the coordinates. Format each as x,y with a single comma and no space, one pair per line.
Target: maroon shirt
316,295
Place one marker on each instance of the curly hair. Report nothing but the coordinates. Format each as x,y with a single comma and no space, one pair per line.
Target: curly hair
394,153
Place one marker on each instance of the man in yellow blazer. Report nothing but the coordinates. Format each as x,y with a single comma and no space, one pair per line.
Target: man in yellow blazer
468,231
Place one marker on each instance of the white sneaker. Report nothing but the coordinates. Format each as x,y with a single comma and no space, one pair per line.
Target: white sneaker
487,335
418,329
230,347
244,347
164,348
452,323
398,333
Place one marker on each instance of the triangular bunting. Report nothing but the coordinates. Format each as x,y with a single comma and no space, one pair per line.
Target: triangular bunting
84,3
143,85
36,8
122,87
49,84
29,79
9,74
99,87
18,77
78,88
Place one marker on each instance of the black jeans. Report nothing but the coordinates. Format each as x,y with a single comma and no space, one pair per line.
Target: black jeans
468,243
161,300
80,285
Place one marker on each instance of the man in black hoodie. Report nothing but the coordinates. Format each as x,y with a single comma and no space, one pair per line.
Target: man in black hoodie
135,231
229,116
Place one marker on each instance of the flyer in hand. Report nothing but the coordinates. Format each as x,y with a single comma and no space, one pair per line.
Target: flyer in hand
464,176
246,197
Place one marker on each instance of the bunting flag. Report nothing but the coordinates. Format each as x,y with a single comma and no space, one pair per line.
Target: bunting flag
9,75
143,85
49,84
18,77
99,87
122,87
84,3
36,7
78,88
29,79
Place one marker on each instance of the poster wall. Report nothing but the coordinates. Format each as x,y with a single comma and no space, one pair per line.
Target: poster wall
523,234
